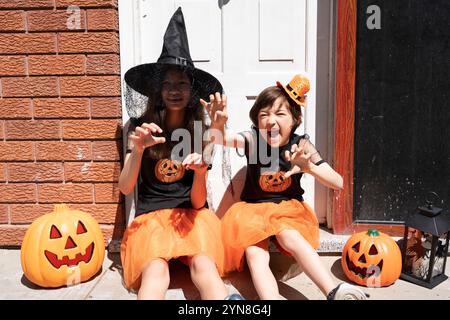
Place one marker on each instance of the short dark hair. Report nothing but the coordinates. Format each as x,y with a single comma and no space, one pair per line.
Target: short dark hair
267,97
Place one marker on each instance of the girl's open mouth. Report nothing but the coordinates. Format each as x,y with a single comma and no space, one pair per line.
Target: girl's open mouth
273,134
175,100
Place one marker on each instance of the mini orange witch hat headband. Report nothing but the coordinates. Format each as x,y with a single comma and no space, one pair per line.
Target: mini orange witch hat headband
297,89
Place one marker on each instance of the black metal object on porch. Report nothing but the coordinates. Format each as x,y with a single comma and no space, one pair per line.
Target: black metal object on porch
425,245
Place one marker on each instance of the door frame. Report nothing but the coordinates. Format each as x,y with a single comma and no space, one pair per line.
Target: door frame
345,124
130,55
129,31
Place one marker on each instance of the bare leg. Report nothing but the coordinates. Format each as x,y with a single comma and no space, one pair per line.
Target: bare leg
206,278
263,279
155,280
307,258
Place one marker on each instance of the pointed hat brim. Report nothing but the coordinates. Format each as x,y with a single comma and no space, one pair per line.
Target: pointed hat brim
146,78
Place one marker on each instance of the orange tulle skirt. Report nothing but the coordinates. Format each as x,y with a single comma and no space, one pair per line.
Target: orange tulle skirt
246,224
169,234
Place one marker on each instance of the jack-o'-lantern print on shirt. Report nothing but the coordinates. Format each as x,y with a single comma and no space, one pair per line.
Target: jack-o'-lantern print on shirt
274,181
266,168
169,171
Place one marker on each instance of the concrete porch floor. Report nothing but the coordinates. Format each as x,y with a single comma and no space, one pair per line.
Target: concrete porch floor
108,283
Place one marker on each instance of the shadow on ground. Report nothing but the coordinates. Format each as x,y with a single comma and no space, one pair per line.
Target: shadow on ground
283,267
336,270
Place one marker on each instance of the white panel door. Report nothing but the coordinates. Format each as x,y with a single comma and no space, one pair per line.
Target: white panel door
248,45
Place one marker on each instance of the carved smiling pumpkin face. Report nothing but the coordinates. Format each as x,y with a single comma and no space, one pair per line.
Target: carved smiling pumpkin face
371,259
274,182
167,170
61,248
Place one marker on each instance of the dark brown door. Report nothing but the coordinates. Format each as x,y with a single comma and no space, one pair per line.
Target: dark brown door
392,137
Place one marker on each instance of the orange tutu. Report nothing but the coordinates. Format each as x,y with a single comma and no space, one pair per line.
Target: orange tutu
167,234
246,224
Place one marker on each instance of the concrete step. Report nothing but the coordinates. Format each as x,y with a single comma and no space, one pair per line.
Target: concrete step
293,284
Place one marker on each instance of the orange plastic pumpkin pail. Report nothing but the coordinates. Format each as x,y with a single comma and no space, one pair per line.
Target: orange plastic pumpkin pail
371,259
62,248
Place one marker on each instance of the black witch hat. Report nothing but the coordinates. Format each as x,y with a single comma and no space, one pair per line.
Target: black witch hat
144,79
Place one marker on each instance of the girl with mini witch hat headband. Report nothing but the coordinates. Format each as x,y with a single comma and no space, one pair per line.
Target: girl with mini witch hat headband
272,205
171,219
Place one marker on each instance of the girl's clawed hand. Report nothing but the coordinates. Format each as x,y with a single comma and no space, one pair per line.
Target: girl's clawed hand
194,161
217,109
300,160
143,136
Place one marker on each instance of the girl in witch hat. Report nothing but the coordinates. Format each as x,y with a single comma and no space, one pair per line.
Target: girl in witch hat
171,219
272,205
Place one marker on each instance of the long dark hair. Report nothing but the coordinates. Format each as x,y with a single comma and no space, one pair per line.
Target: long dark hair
156,113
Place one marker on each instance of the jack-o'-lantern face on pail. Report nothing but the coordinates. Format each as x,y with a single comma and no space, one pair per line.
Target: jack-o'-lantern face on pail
167,170
371,258
61,248
274,182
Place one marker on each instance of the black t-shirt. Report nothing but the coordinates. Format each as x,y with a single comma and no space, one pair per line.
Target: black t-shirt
264,181
162,183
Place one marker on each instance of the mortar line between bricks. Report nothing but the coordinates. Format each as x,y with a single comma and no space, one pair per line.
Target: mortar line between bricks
26,21
85,21
57,43
4,131
25,8
32,107
89,7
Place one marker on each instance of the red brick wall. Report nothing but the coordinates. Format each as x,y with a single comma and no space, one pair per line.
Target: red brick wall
60,112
